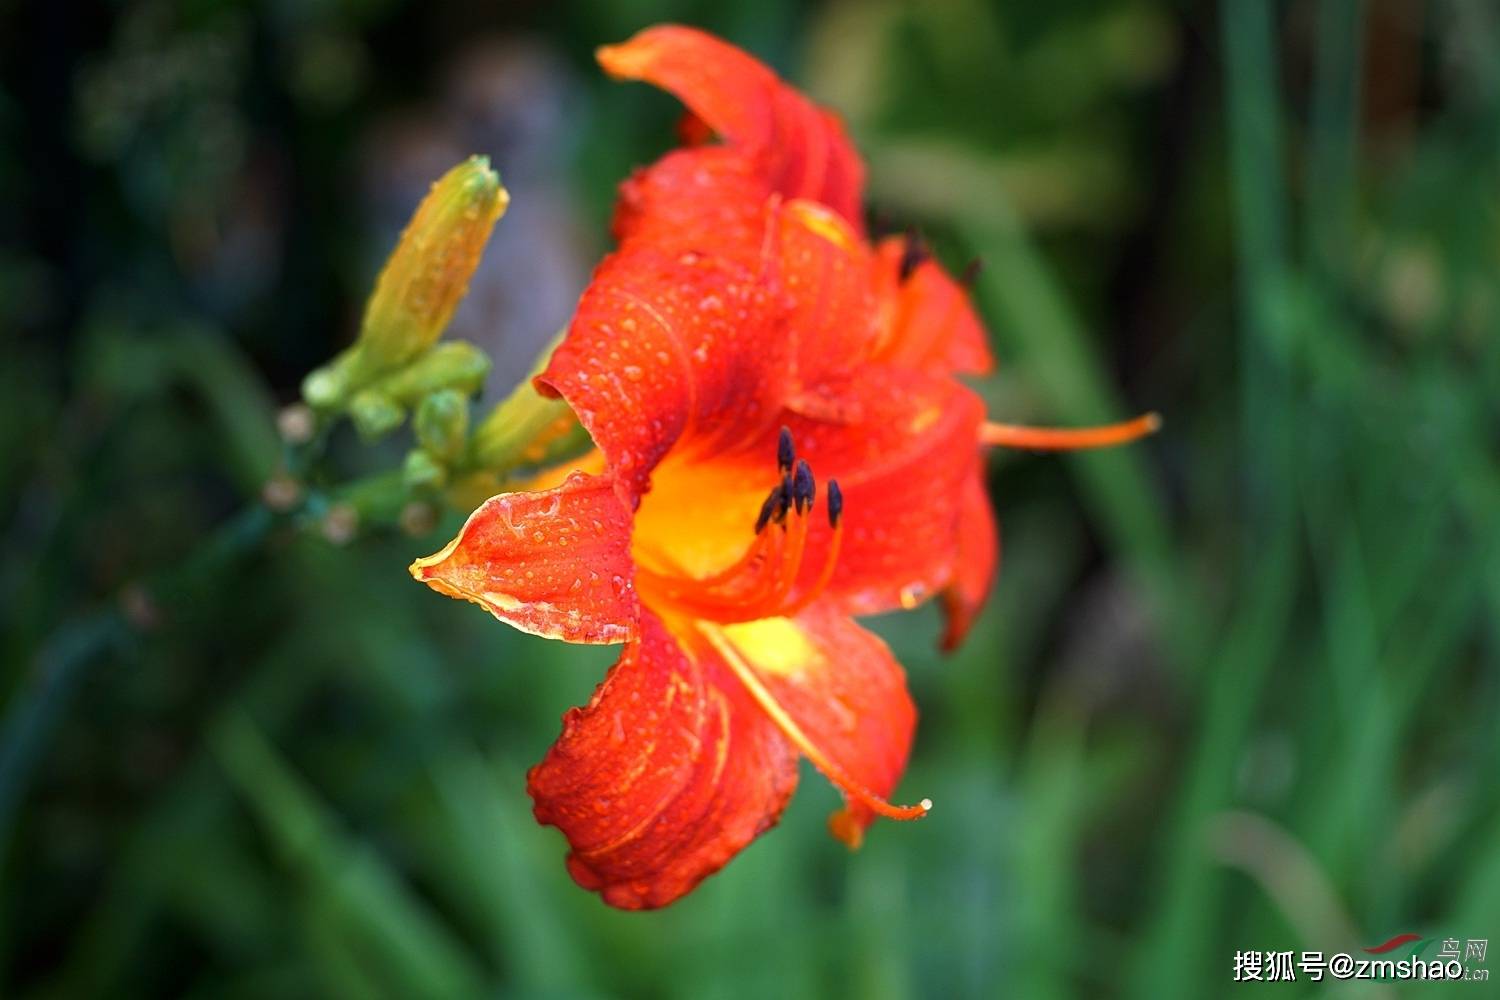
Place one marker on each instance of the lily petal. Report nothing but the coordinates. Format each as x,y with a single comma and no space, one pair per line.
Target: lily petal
900,444
667,346
555,562
926,318
669,771
841,698
825,272
697,200
800,148
978,559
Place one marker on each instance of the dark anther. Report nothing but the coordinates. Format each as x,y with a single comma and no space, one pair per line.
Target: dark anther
783,500
786,454
804,487
768,509
914,254
835,503
971,272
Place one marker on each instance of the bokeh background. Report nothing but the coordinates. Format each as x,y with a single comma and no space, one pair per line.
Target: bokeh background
1237,687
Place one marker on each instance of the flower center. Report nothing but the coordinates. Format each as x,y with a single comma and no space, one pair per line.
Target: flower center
763,581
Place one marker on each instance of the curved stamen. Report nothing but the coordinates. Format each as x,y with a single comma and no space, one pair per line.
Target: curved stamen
830,560
852,788
762,582
1071,438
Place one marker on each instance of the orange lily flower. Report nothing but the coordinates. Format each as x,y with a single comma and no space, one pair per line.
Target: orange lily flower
781,444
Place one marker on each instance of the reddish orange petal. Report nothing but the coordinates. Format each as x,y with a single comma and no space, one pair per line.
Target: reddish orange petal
711,198
825,271
841,698
926,318
554,563
901,444
668,773
801,149
670,346
978,558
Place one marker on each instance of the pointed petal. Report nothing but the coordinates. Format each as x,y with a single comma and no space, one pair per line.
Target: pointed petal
801,149
555,562
926,318
978,558
709,198
825,270
840,696
901,444
669,771
667,346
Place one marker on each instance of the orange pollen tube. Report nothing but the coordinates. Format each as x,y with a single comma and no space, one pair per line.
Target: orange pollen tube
791,566
1071,438
835,773
830,562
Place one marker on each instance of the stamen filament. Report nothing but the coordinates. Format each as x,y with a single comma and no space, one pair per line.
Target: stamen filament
830,562
790,568
834,772
1068,438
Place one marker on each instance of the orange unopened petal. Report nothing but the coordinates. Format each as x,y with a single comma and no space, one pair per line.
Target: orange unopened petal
668,773
801,149
555,562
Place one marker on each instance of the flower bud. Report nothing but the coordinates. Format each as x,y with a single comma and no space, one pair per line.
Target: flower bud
442,423
456,364
429,270
422,282
380,407
375,414
422,472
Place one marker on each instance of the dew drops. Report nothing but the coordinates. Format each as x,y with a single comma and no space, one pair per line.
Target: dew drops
634,373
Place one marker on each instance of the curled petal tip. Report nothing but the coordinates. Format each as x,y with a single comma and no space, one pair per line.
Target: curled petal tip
623,61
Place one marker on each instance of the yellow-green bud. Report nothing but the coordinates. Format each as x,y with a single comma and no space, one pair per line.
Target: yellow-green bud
421,284
374,413
429,270
422,472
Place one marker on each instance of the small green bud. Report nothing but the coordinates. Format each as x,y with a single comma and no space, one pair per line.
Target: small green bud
375,414
455,364
442,423
423,472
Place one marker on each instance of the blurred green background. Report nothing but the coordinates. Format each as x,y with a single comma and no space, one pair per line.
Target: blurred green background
1237,687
